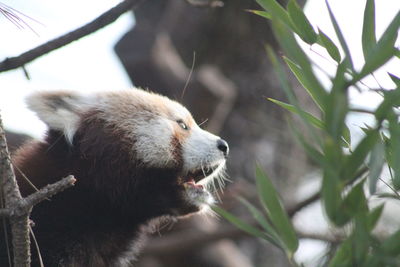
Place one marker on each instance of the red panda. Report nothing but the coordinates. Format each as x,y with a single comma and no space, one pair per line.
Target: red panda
137,156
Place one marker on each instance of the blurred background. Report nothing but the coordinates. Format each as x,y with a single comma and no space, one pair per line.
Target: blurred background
219,53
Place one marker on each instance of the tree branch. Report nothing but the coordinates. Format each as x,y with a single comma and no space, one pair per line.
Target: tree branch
98,23
43,194
17,208
206,3
302,204
12,198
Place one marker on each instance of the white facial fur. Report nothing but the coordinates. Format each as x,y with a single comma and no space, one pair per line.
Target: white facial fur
153,142
200,150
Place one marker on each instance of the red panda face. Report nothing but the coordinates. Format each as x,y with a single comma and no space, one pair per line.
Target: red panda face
138,143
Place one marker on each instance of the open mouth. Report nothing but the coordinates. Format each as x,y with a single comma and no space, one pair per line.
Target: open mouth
197,178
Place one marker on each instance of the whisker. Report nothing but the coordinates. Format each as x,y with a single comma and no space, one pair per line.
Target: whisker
190,75
201,123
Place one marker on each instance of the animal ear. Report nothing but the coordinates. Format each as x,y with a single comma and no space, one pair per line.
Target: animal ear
59,110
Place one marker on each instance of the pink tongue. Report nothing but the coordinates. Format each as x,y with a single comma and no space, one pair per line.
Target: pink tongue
193,183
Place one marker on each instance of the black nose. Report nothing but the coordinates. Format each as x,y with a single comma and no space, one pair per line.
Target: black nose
223,146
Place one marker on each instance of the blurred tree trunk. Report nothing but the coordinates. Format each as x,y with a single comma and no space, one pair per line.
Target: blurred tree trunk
229,85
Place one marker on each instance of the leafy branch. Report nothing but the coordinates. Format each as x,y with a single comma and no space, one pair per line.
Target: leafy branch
345,168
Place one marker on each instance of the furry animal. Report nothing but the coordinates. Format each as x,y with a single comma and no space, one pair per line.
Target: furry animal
137,157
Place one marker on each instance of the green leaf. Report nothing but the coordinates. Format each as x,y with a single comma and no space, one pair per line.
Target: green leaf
278,67
240,224
394,129
348,61
355,202
317,95
395,79
337,105
388,195
331,185
315,155
383,50
270,231
260,13
346,136
272,7
297,55
376,161
391,245
390,99
355,160
360,237
342,257
309,117
330,47
300,21
368,31
277,214
374,216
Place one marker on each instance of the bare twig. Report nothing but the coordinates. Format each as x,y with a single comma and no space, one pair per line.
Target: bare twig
12,197
98,23
329,238
17,208
302,204
43,194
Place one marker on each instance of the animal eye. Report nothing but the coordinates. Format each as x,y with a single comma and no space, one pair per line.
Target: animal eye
182,124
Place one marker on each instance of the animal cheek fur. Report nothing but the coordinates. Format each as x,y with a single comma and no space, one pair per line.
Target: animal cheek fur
177,152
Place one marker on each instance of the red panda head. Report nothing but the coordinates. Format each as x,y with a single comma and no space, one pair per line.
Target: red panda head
142,151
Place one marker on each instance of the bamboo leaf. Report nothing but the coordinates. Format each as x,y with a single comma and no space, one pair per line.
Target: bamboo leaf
315,155
383,50
368,31
330,47
337,105
348,60
391,245
391,99
331,185
394,129
346,136
277,214
355,202
297,55
288,89
260,13
309,117
315,93
241,224
343,255
355,160
302,24
270,231
361,235
272,7
376,161
395,79
388,195
374,215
